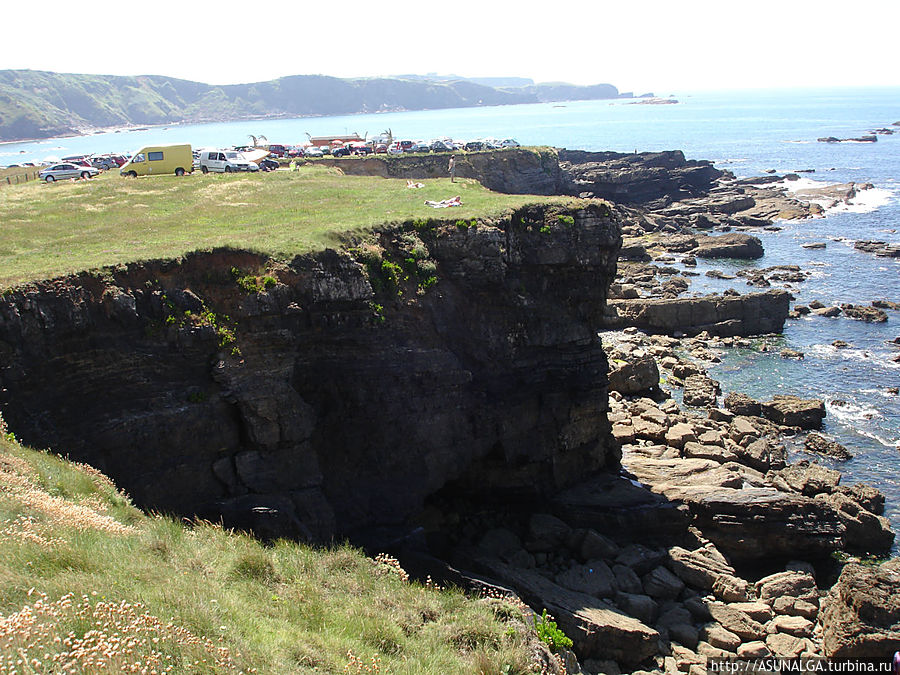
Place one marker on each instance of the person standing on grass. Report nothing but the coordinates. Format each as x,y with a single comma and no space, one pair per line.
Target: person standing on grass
452,168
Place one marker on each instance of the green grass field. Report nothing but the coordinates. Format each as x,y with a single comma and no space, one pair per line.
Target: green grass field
89,584
48,230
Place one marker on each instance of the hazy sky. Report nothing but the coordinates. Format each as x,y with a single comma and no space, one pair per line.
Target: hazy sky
639,45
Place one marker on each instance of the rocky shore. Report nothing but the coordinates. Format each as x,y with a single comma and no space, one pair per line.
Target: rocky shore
528,410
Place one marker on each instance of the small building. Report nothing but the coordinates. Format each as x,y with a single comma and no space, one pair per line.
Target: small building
328,140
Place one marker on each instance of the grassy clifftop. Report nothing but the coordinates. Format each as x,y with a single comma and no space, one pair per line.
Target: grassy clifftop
90,584
54,229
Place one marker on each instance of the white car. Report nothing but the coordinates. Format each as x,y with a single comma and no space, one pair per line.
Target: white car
509,143
225,161
65,171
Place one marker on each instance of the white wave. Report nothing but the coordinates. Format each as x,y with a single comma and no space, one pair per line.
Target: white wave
886,442
865,201
850,411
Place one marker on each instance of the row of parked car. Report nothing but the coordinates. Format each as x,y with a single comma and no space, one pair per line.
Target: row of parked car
381,145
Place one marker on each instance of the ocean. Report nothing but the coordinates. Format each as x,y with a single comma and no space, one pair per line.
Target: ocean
747,133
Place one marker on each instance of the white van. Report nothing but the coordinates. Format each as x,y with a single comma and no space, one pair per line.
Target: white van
225,161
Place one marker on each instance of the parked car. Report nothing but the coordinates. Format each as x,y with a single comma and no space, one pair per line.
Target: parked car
103,162
509,143
380,148
295,151
421,146
268,164
277,149
312,151
341,151
441,146
326,149
225,161
395,148
66,170
406,145
474,146
361,149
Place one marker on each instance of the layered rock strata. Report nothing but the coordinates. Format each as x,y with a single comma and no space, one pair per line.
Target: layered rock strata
333,394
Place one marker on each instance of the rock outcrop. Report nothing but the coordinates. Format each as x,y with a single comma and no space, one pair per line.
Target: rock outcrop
337,397
861,616
725,315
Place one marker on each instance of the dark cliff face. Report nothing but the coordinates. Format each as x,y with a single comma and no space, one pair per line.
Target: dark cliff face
340,397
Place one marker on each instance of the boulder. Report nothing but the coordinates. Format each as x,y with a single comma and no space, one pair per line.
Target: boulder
700,391
861,617
799,585
641,607
626,580
546,532
786,646
731,589
864,313
701,567
753,650
594,578
741,404
661,584
866,532
598,629
731,245
758,611
637,375
680,434
720,637
792,625
795,607
822,446
793,411
810,478
865,495
736,621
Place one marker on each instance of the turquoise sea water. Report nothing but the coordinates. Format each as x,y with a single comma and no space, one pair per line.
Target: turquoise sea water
746,133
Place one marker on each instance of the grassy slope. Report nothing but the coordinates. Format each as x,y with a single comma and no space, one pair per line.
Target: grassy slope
52,229
202,600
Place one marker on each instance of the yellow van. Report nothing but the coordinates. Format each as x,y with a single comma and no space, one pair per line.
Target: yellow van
156,160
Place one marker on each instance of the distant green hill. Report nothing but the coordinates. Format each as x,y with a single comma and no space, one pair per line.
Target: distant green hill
39,104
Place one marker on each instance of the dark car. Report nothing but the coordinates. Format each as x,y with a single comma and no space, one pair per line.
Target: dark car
440,146
474,146
341,151
268,164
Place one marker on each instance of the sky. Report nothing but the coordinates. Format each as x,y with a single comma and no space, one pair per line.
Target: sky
637,45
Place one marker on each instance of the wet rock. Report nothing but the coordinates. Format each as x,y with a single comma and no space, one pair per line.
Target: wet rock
793,411
863,313
731,245
822,446
861,617
829,312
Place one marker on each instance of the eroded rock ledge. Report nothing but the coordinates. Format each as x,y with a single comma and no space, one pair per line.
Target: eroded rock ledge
335,396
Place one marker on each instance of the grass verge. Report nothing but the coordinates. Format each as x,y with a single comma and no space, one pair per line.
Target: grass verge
54,229
89,584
